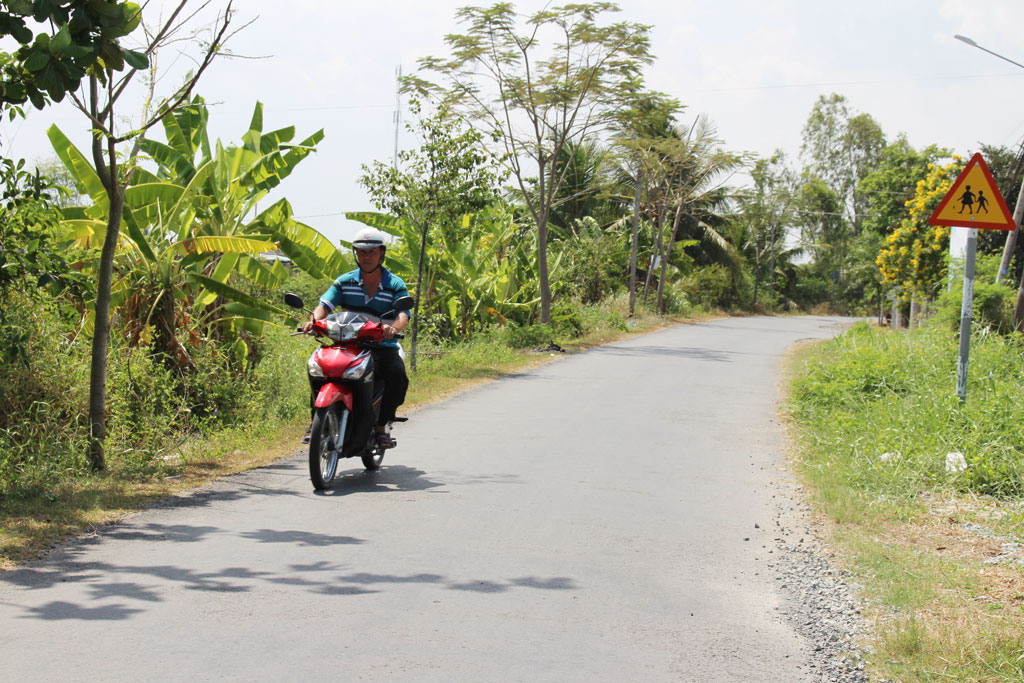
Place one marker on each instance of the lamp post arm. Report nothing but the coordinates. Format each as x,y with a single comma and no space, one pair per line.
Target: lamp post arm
965,39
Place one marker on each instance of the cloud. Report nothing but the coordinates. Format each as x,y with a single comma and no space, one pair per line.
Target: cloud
993,23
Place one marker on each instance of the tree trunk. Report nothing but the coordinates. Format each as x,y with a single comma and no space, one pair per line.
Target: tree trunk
663,250
757,279
661,279
659,226
636,242
419,296
542,267
1018,310
101,333
1011,236
647,276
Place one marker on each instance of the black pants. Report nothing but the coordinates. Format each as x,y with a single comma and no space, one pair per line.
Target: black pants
389,368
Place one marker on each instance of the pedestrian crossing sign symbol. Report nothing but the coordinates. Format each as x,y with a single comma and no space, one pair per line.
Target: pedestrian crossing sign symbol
974,201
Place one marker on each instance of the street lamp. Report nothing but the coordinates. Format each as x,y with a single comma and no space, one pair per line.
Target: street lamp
965,39
1018,209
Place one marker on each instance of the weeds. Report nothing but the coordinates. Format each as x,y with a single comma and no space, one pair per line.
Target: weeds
876,418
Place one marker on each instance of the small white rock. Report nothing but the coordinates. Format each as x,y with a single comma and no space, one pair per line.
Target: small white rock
955,462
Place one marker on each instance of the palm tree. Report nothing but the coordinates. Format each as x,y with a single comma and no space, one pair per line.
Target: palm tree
692,174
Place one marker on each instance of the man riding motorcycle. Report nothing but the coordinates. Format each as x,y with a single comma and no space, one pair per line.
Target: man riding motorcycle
370,286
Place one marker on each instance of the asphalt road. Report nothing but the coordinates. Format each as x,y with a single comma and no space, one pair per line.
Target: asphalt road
602,518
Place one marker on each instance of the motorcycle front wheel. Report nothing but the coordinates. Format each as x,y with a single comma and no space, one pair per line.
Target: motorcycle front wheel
325,443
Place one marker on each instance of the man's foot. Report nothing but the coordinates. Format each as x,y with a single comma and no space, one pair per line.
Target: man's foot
384,440
309,433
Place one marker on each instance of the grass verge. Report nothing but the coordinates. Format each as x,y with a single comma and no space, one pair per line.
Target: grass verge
933,550
30,525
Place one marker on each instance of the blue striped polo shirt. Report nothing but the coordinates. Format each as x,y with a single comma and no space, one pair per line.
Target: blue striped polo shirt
348,290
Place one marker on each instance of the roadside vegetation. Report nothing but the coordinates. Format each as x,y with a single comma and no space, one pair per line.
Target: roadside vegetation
932,539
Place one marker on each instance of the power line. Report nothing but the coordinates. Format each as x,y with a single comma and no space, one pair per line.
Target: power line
341,106
844,83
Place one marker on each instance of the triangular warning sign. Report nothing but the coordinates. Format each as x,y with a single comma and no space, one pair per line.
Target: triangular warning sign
974,201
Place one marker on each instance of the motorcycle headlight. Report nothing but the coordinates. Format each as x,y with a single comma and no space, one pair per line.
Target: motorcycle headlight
342,331
356,371
313,365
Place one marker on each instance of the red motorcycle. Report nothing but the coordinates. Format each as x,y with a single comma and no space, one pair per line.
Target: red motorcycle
348,403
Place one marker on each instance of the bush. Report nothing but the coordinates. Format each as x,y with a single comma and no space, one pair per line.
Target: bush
566,319
992,306
152,406
710,287
598,318
591,266
526,336
42,407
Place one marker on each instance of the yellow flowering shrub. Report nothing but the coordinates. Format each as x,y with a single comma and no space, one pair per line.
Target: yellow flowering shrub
914,255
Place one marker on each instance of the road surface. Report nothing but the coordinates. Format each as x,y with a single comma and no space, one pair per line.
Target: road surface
603,518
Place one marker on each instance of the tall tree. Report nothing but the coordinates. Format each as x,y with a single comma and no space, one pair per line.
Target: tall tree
640,129
100,106
886,190
696,170
448,177
824,230
538,83
914,257
841,148
767,211
583,192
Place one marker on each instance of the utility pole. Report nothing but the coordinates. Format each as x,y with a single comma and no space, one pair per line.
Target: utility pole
636,233
398,111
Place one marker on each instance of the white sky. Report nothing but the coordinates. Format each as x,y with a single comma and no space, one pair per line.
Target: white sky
754,66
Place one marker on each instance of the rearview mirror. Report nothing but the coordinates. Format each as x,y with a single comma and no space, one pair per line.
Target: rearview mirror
293,300
403,303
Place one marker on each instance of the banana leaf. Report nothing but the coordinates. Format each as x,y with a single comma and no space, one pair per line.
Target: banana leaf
211,243
87,182
236,295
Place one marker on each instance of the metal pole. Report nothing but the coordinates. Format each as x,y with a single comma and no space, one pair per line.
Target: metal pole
636,232
965,316
398,112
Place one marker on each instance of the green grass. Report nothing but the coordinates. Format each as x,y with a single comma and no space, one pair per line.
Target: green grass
880,410
874,415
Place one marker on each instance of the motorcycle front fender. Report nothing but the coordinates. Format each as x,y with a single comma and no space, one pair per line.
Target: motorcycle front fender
331,393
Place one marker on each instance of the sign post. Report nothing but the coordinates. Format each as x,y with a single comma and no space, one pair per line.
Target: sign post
966,311
983,211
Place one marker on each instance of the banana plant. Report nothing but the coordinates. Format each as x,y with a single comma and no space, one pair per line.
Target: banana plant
189,234
484,275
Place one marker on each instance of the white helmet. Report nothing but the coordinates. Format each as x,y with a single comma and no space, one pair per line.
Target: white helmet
369,238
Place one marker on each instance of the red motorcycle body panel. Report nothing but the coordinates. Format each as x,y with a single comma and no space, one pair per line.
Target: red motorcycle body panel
334,360
331,393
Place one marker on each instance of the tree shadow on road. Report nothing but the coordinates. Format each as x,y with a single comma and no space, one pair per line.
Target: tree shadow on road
668,352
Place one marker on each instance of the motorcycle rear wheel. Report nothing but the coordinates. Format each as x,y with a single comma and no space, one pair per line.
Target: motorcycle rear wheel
324,446
373,456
